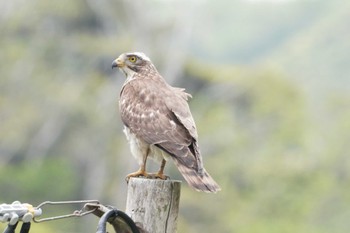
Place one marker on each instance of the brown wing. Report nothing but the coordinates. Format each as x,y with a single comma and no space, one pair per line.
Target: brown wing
159,114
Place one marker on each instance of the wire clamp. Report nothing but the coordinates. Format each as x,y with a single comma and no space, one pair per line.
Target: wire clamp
18,211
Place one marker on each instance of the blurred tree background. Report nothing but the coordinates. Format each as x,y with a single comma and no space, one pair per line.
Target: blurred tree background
270,81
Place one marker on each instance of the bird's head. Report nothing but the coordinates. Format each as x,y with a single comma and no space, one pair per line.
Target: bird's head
131,63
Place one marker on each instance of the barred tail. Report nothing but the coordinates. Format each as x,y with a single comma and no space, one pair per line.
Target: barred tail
200,182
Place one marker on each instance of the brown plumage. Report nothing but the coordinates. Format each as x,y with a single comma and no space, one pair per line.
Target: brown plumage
158,122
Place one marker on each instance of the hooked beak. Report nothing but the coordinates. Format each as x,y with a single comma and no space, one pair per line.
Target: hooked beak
117,63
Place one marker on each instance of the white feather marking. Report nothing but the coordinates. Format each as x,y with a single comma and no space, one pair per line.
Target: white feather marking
147,99
173,124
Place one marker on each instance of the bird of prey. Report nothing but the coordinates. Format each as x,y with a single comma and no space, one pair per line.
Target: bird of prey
158,122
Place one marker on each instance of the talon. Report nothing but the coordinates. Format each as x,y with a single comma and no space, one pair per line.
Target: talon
137,174
158,175
162,176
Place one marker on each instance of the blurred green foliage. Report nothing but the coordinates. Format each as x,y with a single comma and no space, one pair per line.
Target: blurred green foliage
270,98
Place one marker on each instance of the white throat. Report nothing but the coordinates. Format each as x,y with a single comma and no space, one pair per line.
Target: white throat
128,73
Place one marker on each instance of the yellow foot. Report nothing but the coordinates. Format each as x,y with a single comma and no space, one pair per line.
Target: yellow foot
137,174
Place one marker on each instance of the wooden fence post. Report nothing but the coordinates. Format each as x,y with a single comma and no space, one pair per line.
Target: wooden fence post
154,204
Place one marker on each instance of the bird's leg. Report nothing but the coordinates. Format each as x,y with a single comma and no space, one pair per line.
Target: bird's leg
160,173
142,169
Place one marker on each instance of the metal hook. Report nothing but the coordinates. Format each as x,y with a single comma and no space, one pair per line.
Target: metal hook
76,213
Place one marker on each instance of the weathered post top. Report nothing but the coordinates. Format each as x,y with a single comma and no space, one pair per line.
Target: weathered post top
154,204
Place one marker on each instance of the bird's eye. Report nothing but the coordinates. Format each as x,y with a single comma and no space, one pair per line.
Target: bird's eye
132,59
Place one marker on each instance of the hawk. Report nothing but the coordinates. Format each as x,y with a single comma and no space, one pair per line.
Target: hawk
158,123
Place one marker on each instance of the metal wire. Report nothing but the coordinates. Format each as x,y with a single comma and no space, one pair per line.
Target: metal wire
76,213
88,207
